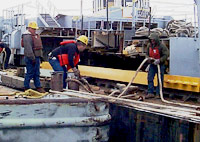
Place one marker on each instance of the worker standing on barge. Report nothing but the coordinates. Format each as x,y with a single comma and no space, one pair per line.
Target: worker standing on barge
67,56
159,54
33,52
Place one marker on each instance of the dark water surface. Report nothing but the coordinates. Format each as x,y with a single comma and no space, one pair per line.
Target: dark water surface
129,125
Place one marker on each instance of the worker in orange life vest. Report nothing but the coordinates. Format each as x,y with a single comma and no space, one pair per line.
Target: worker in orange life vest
67,56
159,53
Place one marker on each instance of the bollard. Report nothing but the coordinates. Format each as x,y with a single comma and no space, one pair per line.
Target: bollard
56,81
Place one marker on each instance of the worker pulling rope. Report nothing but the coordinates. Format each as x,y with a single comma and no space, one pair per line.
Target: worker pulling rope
160,84
141,65
133,78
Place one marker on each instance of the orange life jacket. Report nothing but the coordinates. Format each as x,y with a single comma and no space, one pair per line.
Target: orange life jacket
1,49
63,58
37,43
154,53
67,41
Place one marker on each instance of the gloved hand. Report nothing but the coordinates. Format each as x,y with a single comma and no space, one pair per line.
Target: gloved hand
76,72
150,60
156,62
147,68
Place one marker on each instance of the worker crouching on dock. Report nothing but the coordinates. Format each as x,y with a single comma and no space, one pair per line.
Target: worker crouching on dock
67,56
33,52
158,54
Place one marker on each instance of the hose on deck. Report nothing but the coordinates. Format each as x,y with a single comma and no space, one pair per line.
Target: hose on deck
126,89
81,84
169,102
133,78
160,85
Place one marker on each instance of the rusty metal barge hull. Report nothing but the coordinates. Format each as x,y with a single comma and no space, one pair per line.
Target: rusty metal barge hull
52,112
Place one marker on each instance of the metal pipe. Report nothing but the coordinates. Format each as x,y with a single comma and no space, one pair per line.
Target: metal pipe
198,14
149,20
133,17
107,15
81,16
89,29
54,122
107,26
195,28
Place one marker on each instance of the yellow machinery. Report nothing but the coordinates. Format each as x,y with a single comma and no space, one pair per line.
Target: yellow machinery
184,83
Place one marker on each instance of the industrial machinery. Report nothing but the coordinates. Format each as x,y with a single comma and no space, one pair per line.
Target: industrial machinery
115,50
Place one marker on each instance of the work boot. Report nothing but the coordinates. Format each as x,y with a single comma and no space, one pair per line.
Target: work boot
41,90
149,95
157,96
25,89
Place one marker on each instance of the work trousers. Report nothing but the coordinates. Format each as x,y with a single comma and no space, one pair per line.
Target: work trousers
56,67
153,70
32,72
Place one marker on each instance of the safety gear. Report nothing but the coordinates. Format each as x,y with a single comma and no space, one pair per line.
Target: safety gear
150,60
1,49
147,68
77,73
33,25
36,43
154,53
67,41
148,96
83,39
156,62
154,36
157,96
41,90
63,58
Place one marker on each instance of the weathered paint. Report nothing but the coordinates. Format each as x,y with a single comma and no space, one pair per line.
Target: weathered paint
62,134
178,112
53,122
52,111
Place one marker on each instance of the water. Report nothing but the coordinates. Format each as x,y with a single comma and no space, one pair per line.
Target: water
129,125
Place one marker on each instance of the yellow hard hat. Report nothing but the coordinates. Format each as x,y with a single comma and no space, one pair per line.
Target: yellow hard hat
83,39
33,25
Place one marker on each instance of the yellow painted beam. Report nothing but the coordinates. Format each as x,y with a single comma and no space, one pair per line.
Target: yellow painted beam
170,81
